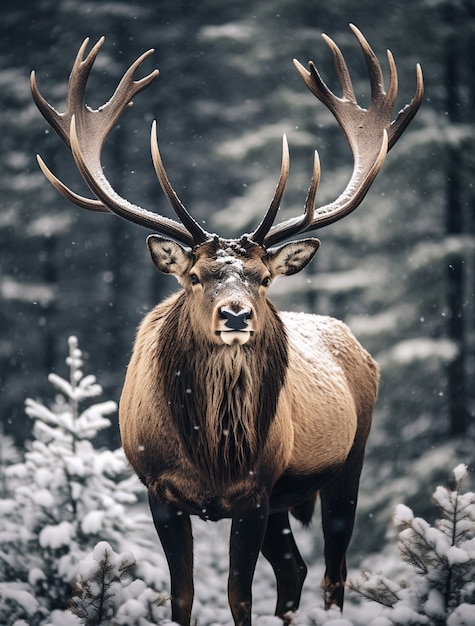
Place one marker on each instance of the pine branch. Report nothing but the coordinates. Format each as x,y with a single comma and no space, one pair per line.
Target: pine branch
377,588
442,556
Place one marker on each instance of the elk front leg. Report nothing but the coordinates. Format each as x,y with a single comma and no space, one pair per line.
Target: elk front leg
281,551
174,530
247,534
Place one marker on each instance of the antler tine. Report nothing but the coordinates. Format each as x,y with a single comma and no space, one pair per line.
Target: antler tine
126,90
299,224
118,205
374,68
61,122
74,198
405,115
85,130
370,132
199,234
261,231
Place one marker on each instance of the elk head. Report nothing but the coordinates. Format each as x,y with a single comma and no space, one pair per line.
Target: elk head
228,278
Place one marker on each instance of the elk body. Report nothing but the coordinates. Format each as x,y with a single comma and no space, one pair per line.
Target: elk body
231,409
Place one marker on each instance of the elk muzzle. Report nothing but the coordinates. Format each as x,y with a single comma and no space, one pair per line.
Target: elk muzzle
235,324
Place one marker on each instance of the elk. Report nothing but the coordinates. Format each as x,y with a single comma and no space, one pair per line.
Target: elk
231,409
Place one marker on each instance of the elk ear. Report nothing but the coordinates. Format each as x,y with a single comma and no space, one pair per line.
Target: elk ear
168,256
291,257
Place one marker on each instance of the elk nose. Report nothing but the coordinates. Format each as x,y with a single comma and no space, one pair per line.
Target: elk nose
235,321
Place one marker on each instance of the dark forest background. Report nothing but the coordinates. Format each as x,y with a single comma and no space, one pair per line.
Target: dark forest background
400,270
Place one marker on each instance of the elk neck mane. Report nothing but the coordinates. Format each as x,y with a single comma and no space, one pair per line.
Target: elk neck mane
222,398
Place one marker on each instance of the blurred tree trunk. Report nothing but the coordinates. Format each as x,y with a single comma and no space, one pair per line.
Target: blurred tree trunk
470,61
457,389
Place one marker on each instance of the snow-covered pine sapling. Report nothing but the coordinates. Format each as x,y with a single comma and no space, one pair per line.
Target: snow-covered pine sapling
65,416
442,591
64,498
105,593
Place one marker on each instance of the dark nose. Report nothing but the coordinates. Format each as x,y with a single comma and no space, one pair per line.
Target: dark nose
235,321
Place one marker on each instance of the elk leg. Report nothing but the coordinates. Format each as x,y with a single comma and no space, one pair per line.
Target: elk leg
247,534
281,551
174,530
338,501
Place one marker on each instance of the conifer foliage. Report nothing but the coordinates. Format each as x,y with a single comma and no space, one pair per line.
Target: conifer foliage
107,594
73,550
443,557
58,504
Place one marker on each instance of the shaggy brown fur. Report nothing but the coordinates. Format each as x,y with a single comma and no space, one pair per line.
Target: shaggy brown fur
265,423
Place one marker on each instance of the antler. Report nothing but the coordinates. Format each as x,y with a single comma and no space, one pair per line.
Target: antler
370,133
85,130
296,225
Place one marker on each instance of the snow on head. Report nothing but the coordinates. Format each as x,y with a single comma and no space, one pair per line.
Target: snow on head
228,256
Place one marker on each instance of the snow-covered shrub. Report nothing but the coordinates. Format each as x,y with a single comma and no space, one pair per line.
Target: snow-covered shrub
8,455
106,594
64,498
442,590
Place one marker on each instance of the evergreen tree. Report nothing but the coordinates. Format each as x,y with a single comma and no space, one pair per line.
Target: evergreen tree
61,500
443,557
106,595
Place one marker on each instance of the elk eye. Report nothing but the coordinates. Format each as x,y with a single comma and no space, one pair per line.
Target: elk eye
194,279
266,281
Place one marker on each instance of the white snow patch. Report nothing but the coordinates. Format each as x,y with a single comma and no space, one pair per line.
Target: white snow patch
403,515
43,498
457,555
35,575
419,349
435,604
13,290
401,614
92,522
238,31
269,621
464,615
11,592
55,537
64,618
460,472
7,506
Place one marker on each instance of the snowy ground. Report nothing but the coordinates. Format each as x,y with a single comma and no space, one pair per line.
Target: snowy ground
211,569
